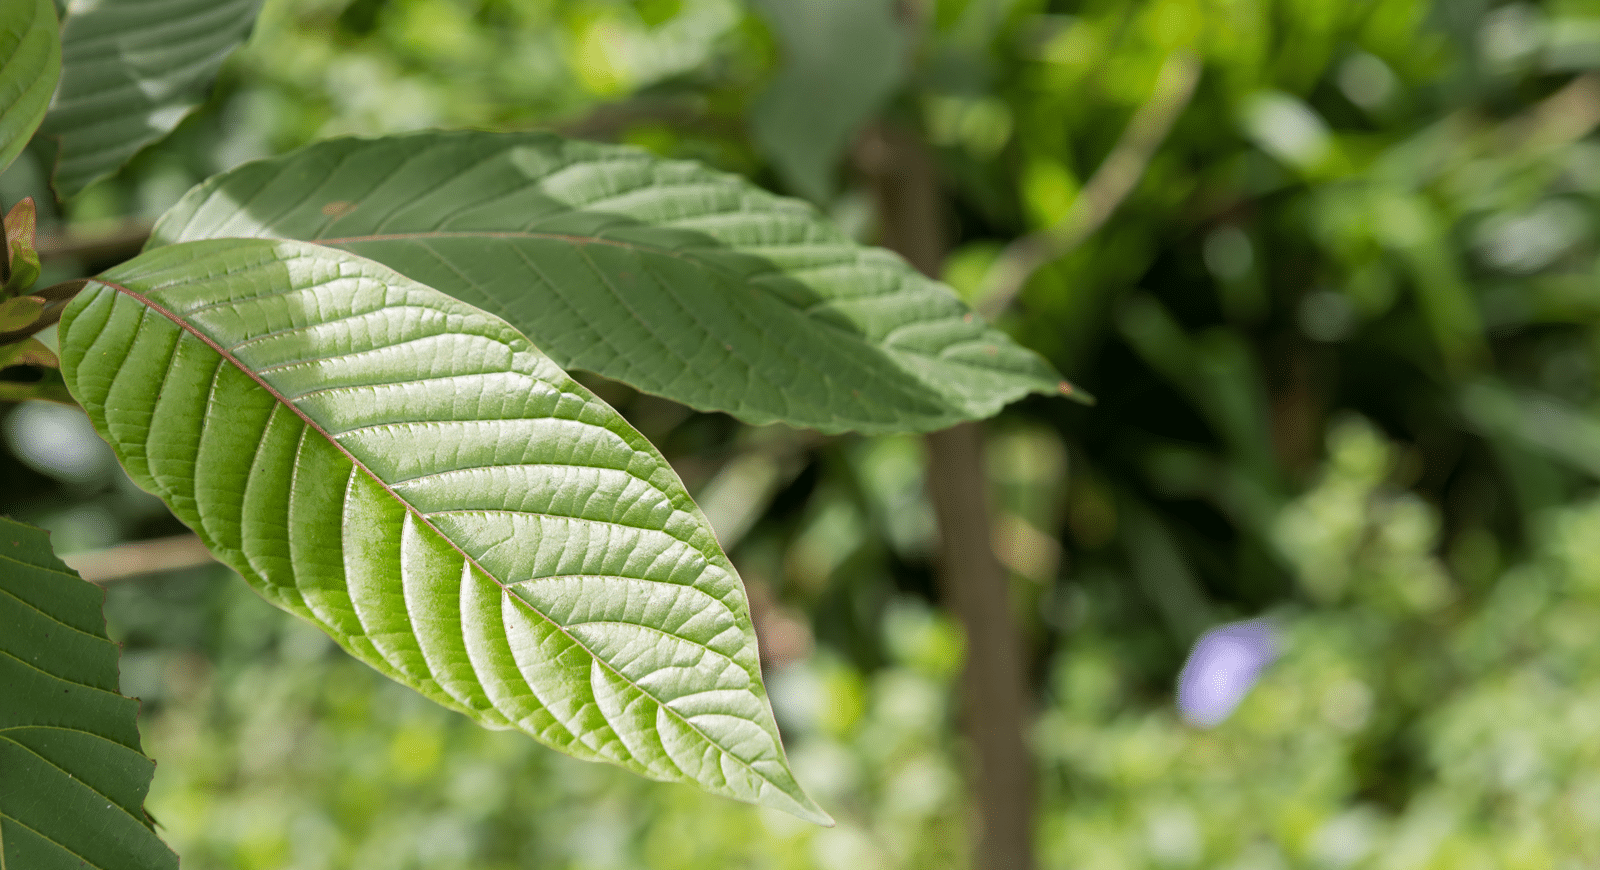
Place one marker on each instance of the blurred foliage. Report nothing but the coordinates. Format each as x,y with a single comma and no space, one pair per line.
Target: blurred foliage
276,750
1344,334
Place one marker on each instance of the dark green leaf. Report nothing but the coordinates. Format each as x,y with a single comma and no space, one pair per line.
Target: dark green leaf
20,313
28,352
680,280
131,69
72,776
30,64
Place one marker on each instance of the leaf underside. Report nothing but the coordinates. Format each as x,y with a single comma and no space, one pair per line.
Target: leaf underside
131,69
676,279
72,776
30,64
409,473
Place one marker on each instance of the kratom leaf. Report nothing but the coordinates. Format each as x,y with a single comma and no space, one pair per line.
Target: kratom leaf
39,375
20,313
28,352
131,69
674,278
852,50
30,64
409,473
50,388
72,776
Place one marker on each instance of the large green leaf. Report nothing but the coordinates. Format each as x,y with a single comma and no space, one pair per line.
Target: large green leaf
411,474
30,64
680,280
852,50
131,69
72,776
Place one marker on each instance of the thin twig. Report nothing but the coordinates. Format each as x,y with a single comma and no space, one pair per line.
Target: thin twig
1106,189
1560,119
609,121
140,557
112,240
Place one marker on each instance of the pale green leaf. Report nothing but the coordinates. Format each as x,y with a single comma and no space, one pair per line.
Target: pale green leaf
410,474
679,280
852,51
131,69
30,64
72,776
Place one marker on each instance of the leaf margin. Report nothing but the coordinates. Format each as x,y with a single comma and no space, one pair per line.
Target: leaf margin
17,129
211,210
72,356
146,847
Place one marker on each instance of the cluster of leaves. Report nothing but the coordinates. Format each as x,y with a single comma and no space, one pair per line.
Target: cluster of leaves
1384,207
1379,209
23,313
376,450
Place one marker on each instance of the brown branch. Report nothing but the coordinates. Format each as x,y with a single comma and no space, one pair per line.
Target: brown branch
609,121
1106,189
140,557
1562,118
975,586
98,242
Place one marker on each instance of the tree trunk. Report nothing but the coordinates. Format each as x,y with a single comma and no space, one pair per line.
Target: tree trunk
975,586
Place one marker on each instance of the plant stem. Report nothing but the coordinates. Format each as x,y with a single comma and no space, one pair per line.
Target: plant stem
994,682
120,562
975,586
1105,190
98,242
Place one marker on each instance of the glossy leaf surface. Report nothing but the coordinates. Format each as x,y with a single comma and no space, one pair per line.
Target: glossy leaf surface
73,778
131,69
409,473
679,280
30,64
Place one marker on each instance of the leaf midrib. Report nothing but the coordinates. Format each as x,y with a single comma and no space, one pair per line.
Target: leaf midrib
52,841
418,235
46,614
708,264
422,518
110,801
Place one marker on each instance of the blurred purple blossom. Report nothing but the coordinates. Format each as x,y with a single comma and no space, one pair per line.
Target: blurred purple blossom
1224,665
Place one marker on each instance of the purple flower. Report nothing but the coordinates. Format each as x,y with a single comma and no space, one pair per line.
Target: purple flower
1224,665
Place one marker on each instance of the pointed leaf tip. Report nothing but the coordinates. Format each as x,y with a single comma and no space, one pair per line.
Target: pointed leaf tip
758,306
